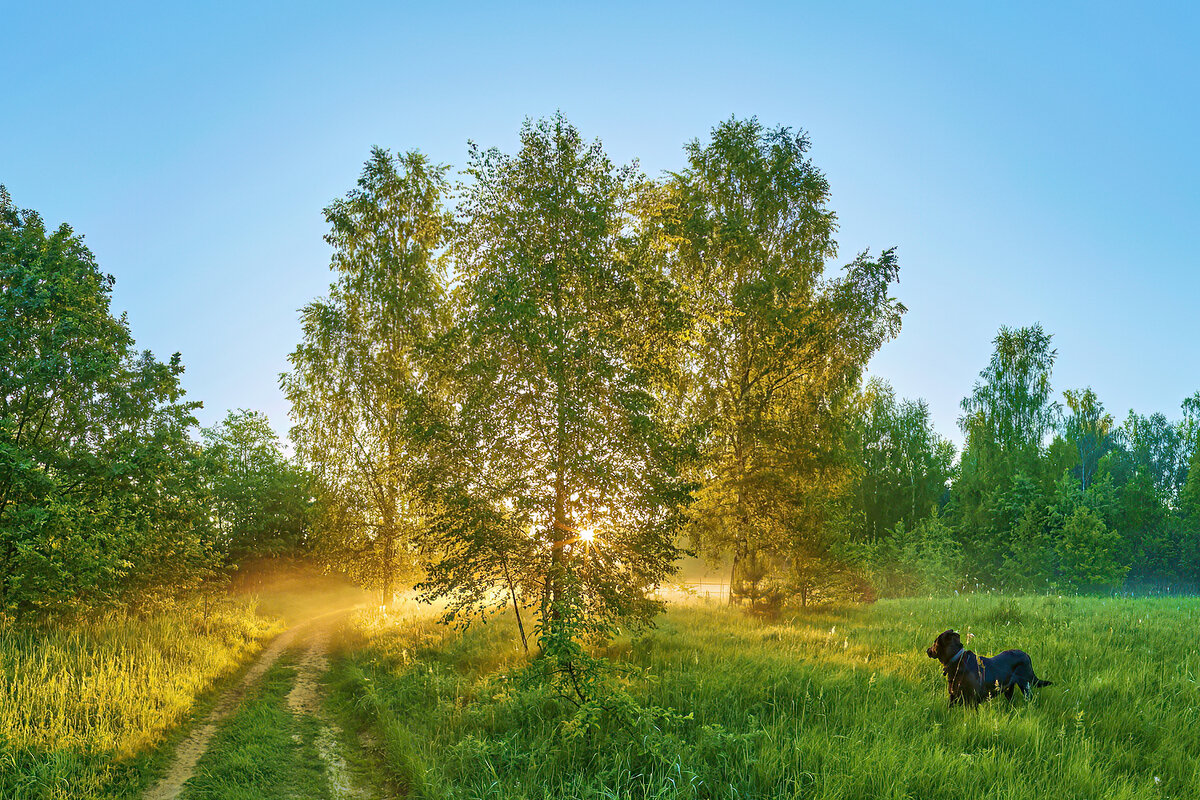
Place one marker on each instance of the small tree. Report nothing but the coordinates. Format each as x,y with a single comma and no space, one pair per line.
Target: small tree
262,500
1088,553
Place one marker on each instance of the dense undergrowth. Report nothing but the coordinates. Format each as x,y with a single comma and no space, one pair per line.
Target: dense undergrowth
832,703
83,706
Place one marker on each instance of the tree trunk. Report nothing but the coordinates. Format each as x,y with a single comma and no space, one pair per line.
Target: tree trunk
516,608
559,527
732,573
558,536
387,579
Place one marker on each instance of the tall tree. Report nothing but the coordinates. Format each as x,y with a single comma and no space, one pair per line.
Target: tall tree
1006,421
102,497
1090,430
363,384
1009,413
560,417
778,346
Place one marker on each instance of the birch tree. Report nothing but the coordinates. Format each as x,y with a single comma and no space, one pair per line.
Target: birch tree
363,381
559,334
778,345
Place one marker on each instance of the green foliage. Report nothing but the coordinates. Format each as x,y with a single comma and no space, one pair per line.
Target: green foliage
591,685
102,492
260,498
362,385
1005,421
777,347
1013,503
563,468
1008,414
933,554
1090,430
1029,556
905,467
1087,552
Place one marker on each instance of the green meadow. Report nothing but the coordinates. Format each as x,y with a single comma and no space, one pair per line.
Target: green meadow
834,702
831,703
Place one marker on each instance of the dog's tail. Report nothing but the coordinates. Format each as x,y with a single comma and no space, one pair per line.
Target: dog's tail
1039,683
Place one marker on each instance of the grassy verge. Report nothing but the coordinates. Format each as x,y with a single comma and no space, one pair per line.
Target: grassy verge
83,708
832,703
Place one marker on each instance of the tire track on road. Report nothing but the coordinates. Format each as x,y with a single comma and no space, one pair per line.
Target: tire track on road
192,749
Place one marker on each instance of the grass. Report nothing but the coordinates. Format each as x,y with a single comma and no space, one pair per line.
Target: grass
264,752
84,707
832,703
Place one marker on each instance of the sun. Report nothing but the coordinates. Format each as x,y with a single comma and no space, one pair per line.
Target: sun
586,535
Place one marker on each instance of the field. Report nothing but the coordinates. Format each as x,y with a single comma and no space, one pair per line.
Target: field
84,708
832,703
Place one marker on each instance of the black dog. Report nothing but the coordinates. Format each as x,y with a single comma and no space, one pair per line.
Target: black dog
974,679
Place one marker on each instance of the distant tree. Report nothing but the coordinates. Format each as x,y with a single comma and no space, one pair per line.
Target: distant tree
261,499
1088,553
1090,430
1187,526
1009,413
777,347
363,384
903,467
1029,560
1189,496
1006,421
102,497
1189,429
933,553
1148,472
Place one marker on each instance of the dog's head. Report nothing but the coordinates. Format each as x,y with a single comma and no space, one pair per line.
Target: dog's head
944,646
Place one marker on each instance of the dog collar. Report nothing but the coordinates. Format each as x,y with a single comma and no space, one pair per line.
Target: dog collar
957,656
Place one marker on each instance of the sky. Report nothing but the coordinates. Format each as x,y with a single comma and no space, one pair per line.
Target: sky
1030,162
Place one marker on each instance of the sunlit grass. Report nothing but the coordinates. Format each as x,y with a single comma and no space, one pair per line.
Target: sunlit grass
78,700
835,702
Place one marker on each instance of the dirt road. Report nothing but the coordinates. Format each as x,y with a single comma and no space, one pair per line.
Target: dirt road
304,700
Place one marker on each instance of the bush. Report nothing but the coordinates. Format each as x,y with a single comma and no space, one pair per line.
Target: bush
1087,553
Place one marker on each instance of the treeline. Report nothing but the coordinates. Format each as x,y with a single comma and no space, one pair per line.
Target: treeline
536,383
1046,496
109,492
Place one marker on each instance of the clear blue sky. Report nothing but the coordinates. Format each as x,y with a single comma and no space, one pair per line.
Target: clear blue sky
1030,163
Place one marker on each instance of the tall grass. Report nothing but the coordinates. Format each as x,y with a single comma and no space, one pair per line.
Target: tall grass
78,701
835,702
